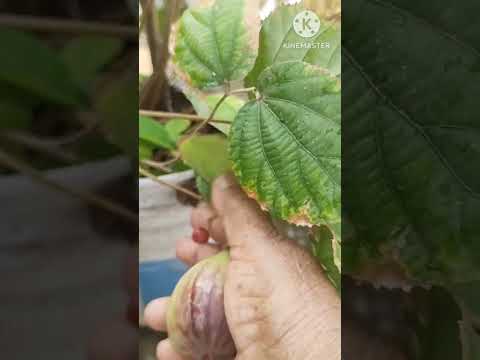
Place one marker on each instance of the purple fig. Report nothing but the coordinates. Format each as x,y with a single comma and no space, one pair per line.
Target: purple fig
196,322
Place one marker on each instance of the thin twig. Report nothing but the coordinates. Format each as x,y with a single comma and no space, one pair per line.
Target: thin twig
32,142
172,115
243,91
172,160
219,103
172,186
90,198
156,165
52,142
206,121
80,134
45,24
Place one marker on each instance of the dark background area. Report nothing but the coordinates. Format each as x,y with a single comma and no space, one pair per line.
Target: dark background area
410,179
68,179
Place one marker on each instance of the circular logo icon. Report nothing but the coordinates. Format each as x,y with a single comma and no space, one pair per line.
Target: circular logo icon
306,24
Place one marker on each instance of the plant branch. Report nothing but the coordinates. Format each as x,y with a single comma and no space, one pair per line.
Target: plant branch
151,95
73,138
172,186
90,198
32,142
152,31
243,91
44,24
172,115
142,22
156,165
52,142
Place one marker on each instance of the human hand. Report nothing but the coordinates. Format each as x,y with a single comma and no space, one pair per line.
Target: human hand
278,304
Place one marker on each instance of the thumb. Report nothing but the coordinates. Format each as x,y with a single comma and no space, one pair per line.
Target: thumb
244,221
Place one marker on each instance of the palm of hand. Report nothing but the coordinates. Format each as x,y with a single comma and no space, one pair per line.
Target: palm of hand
270,304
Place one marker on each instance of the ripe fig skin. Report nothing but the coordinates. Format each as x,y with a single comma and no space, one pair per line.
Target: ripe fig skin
196,322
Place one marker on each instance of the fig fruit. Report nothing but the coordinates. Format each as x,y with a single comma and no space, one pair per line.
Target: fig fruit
196,322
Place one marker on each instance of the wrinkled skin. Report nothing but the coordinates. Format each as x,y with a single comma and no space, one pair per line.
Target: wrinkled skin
278,304
196,322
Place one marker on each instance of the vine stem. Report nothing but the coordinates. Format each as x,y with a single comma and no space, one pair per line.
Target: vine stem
45,24
172,115
228,92
90,198
172,186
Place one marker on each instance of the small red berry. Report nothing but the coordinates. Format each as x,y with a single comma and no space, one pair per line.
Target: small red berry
200,235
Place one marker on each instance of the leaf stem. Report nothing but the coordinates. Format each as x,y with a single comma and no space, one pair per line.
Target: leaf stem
90,198
227,93
172,115
172,186
212,114
243,91
157,165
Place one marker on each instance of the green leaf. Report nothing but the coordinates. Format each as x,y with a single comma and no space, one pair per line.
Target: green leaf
470,341
15,95
327,249
176,127
468,295
204,187
436,325
155,133
14,116
207,155
279,42
85,56
204,105
118,109
213,44
33,67
285,146
411,169
145,150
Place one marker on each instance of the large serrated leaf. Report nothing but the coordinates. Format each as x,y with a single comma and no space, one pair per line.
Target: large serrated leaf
412,164
279,42
206,154
468,295
213,45
285,146
31,66
327,249
436,325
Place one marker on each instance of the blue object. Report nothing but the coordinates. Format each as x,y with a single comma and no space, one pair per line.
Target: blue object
158,278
